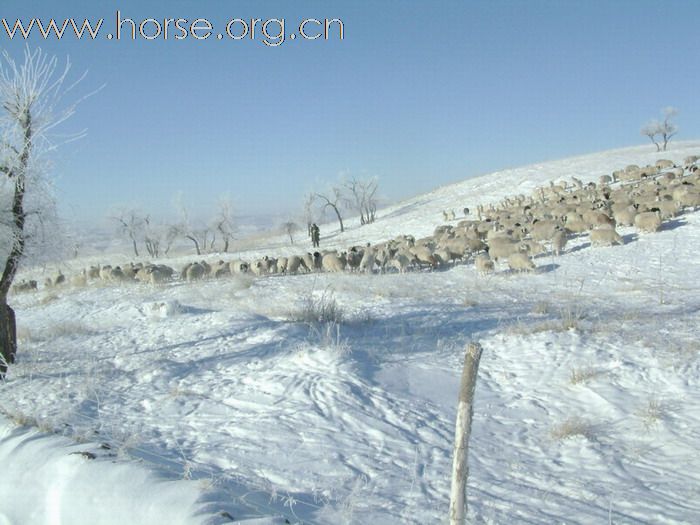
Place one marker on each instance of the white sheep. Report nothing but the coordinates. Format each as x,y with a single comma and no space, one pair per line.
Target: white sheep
155,274
400,261
690,199
502,248
219,269
648,221
664,164
596,218
57,279
368,261
520,262
282,264
532,247
559,242
483,263
332,262
423,255
264,266
690,160
605,237
543,230
142,274
667,209
238,266
106,272
443,256
575,224
129,272
24,286
625,217
295,263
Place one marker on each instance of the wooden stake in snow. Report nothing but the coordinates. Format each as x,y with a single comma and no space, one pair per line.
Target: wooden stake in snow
460,466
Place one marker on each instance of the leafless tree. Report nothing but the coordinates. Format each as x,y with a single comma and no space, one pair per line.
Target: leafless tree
33,101
151,237
131,224
200,235
224,222
158,237
664,129
361,196
333,199
290,228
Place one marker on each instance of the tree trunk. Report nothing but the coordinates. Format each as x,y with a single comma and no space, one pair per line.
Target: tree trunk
460,465
8,337
196,244
340,219
666,139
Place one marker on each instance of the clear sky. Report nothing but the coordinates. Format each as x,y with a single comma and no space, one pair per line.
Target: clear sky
418,94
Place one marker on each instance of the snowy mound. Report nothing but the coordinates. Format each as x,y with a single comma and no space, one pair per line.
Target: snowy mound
163,309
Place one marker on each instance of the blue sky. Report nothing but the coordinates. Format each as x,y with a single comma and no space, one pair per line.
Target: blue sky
418,94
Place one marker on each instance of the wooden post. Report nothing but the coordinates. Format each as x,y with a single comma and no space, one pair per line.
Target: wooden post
460,466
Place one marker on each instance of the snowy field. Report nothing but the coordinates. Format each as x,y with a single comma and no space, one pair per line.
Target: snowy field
222,403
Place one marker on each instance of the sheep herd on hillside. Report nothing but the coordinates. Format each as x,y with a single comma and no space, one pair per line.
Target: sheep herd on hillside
513,232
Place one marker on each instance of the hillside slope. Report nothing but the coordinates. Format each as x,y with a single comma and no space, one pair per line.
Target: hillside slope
587,406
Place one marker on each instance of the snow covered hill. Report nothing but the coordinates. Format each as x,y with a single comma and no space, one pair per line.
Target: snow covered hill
587,406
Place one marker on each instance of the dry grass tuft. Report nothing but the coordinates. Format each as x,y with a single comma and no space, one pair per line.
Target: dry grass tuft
571,428
583,374
571,317
48,298
652,413
318,309
541,308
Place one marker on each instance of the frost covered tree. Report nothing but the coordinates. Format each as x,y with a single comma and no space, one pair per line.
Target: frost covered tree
290,228
33,101
361,196
131,224
661,132
202,235
158,237
333,199
224,222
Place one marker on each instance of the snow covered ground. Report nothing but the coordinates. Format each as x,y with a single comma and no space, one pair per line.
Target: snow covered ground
587,406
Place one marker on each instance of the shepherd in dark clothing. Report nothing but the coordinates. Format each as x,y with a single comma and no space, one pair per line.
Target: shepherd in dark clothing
315,235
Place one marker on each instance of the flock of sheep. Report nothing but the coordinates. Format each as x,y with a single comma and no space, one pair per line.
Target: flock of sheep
514,231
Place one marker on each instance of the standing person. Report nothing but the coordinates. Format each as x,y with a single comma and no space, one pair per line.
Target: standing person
315,235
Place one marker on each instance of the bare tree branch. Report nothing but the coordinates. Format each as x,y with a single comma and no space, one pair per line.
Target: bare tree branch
131,224
333,202
665,129
290,228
